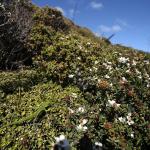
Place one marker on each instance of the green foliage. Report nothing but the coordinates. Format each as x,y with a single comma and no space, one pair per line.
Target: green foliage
11,81
78,84
50,17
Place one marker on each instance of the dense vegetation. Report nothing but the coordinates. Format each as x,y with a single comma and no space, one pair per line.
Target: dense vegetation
73,83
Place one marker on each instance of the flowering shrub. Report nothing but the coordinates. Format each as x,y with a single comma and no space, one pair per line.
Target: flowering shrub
79,92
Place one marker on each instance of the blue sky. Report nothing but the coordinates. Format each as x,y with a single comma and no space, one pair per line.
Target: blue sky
128,19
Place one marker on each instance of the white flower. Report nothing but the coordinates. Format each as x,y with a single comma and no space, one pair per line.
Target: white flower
129,114
74,95
123,60
109,68
60,138
85,128
61,38
116,53
57,139
88,43
138,72
129,119
107,77
84,121
79,58
80,47
71,111
79,73
108,62
121,119
128,64
134,63
111,84
77,69
146,75
98,144
127,71
132,135
130,122
96,62
148,85
113,103
62,142
80,127
81,109
79,79
117,68
140,77
105,64
99,80
117,105
124,79
71,76
95,68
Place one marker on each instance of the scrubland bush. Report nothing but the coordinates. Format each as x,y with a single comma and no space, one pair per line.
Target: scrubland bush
85,90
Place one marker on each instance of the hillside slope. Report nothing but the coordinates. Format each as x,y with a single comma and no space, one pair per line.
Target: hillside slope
75,84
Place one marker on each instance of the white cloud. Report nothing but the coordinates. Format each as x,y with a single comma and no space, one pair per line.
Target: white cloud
96,5
60,9
114,28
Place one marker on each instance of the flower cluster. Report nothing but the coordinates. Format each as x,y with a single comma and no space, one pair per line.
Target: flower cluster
123,60
127,120
113,103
